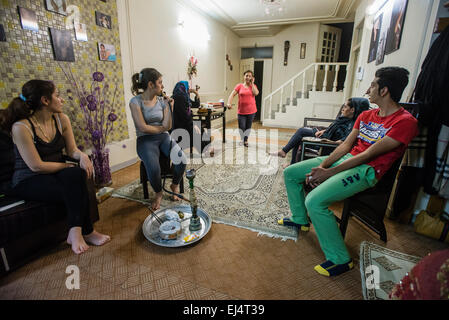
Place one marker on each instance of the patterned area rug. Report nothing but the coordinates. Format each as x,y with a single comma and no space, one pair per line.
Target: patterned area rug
242,187
392,267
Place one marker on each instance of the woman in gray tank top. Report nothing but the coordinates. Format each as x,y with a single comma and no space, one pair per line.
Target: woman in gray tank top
152,116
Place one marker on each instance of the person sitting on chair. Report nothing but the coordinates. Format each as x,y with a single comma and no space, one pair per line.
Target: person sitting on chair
182,115
152,116
379,137
337,131
40,132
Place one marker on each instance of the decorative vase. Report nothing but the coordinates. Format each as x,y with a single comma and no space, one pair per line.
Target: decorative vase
102,170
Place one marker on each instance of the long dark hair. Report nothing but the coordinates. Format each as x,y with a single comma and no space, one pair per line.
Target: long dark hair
25,105
140,80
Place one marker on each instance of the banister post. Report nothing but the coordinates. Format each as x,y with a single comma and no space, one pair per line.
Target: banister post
336,78
314,77
326,71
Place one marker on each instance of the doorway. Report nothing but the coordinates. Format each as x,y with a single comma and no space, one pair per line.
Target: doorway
258,74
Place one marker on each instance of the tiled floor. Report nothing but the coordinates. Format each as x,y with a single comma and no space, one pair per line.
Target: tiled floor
229,263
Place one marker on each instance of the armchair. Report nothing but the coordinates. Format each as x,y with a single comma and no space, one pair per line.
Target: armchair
312,147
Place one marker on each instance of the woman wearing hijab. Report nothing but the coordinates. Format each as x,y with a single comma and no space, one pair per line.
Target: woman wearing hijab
337,131
182,114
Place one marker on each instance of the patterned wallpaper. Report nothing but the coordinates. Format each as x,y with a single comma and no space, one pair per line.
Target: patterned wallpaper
27,55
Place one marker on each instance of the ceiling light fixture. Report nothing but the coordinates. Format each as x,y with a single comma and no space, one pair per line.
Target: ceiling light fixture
272,7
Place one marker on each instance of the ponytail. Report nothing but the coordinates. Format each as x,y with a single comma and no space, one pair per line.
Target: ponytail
27,103
140,80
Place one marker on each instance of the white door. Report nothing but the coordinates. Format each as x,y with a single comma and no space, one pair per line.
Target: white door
267,77
329,44
328,49
245,65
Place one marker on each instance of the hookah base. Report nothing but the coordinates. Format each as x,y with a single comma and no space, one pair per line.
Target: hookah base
195,224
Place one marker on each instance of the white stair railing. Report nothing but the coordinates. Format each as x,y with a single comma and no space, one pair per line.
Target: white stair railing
267,106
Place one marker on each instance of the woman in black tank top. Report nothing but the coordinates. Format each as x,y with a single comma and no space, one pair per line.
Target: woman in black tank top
40,132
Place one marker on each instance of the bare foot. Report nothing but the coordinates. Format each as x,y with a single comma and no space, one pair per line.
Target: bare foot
157,201
76,240
175,189
285,165
97,239
280,153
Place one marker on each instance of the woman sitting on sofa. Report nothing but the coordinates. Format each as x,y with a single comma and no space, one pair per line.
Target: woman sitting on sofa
40,132
337,131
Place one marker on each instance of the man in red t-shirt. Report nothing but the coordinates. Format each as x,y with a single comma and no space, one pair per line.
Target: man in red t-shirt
379,137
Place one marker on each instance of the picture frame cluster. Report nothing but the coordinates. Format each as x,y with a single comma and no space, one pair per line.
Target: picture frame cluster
61,39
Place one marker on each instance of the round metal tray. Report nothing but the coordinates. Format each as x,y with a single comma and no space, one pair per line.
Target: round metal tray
150,227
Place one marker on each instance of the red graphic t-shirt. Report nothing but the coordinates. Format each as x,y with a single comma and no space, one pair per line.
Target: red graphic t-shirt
400,126
247,101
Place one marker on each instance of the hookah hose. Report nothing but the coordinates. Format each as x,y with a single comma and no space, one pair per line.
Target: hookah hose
171,143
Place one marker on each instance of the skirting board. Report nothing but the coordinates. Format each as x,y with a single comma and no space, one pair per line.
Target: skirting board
124,164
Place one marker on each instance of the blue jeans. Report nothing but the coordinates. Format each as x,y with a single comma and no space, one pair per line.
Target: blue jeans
296,140
245,123
149,148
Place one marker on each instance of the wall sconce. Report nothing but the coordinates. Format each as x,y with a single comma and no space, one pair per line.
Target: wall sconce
193,30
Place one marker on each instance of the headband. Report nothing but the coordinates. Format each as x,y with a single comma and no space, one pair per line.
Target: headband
22,97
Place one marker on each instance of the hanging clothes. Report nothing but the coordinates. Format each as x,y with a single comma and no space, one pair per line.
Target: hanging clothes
432,93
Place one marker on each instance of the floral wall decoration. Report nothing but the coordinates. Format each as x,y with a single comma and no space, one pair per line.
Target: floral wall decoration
97,103
192,67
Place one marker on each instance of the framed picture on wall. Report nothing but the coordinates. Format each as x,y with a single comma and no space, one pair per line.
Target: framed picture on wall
386,13
302,51
28,19
2,33
106,52
80,31
396,26
103,20
58,6
375,36
62,45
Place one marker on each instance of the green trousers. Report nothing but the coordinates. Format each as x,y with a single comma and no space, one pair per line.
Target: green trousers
336,188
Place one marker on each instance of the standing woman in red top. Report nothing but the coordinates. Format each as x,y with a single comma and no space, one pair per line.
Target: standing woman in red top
247,110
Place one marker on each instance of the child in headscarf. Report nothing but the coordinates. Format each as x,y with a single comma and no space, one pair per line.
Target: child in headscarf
182,115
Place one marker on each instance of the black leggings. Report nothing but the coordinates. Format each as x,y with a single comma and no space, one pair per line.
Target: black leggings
245,124
68,187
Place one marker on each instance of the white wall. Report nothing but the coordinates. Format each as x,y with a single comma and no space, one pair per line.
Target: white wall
296,34
151,37
411,48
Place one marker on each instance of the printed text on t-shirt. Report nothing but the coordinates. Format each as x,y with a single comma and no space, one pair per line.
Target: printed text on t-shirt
372,132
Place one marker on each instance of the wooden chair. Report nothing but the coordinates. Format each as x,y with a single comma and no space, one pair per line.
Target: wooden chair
369,206
166,172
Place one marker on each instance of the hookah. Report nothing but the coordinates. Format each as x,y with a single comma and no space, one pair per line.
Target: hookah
195,222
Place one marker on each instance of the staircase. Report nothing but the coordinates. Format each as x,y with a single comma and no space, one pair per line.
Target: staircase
315,92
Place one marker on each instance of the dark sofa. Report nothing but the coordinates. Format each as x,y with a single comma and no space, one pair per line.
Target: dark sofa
29,229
